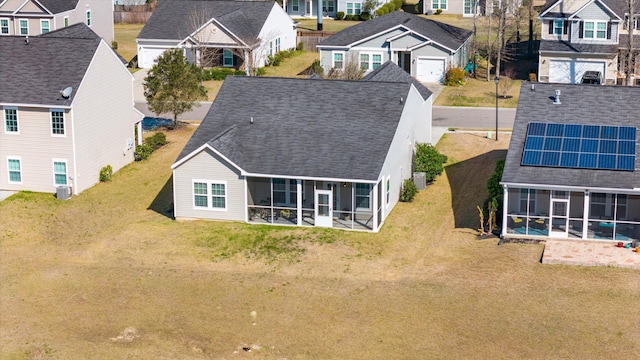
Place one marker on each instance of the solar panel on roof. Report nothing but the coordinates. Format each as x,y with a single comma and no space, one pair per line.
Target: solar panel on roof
580,146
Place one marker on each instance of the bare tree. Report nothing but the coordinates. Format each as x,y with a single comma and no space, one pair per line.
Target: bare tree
201,38
350,71
630,53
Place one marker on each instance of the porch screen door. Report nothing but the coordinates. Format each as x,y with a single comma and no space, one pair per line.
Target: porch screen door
559,218
324,208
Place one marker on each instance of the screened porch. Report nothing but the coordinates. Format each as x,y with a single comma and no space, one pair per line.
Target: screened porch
572,214
341,205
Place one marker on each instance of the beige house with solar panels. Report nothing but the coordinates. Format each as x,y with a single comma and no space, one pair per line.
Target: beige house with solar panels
63,122
35,17
572,170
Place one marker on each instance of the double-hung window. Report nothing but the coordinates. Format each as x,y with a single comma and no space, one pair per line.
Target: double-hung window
338,60
595,30
44,26
24,26
354,8
89,18
328,6
15,170
363,196
57,122
370,61
59,172
558,27
439,4
227,58
388,191
295,5
10,120
277,45
4,26
210,195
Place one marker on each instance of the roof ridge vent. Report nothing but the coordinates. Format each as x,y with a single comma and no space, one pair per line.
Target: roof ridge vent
556,100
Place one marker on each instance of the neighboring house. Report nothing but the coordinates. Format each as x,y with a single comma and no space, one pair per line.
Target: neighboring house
239,34
129,2
461,7
580,36
298,160
572,176
309,8
67,108
35,17
422,47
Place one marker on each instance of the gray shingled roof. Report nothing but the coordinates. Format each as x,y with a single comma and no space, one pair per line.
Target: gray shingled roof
35,73
172,19
563,46
58,6
446,35
580,104
303,127
391,72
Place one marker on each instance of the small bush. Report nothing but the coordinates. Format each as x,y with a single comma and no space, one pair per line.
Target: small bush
381,11
114,45
391,7
365,16
439,11
220,73
300,46
429,160
143,152
106,173
356,17
261,71
454,77
397,3
348,17
409,191
157,140
340,15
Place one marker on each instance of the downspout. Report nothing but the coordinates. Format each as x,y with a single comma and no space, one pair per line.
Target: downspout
74,180
505,201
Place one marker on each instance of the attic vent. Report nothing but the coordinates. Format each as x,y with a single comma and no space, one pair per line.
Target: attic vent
26,40
533,87
556,100
251,120
401,100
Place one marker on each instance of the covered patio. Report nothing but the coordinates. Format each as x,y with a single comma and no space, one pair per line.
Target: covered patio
297,202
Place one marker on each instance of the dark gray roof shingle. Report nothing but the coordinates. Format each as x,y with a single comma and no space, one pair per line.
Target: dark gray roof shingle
174,19
580,104
390,72
35,73
303,127
58,6
447,35
563,46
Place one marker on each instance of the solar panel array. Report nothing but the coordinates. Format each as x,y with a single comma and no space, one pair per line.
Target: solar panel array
580,146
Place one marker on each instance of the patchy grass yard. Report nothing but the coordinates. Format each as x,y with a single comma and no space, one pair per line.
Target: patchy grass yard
479,93
109,275
125,36
327,24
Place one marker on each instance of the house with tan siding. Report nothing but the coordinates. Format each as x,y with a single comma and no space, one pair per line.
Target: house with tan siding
63,122
36,17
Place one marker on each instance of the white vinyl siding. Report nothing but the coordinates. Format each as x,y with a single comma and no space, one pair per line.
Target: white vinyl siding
11,120
14,167
59,172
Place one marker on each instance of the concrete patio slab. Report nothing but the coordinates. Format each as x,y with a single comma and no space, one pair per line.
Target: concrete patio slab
589,253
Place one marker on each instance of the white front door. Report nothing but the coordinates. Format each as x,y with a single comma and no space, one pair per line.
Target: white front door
430,70
324,208
559,218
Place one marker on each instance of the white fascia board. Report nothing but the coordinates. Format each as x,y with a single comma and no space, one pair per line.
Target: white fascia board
332,47
378,34
570,188
199,150
564,53
244,173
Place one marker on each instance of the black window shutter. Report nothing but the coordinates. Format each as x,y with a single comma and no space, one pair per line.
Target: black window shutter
550,27
609,30
565,27
581,34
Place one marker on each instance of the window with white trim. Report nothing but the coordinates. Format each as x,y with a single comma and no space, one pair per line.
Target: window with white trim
45,26
4,26
370,61
388,191
625,24
354,8
210,195
277,45
558,27
595,29
439,4
10,120
338,60
363,196
15,170
295,5
66,21
24,26
89,18
57,122
328,6
227,58
59,172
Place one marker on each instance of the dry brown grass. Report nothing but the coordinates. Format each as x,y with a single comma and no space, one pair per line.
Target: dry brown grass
76,275
125,35
479,93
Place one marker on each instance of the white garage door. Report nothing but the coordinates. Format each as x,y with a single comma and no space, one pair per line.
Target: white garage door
430,70
571,71
149,57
